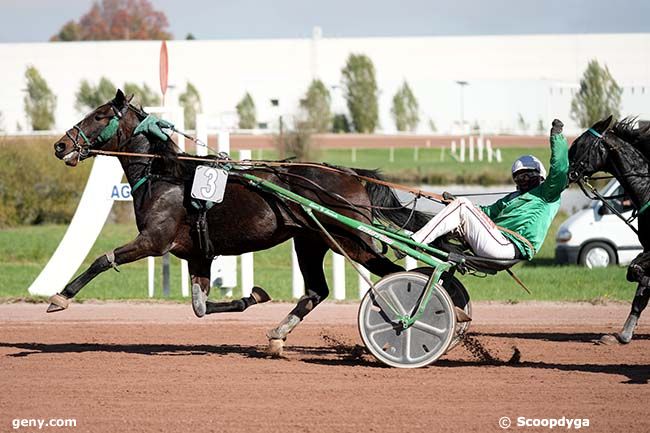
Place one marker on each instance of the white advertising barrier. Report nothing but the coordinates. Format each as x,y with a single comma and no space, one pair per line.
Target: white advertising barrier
87,223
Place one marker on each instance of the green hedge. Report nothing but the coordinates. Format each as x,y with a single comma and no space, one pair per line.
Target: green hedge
35,186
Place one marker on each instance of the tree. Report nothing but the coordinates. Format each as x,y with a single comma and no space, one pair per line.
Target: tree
71,31
145,95
522,125
361,93
405,109
246,112
89,97
432,125
598,97
340,123
191,103
40,102
317,106
117,20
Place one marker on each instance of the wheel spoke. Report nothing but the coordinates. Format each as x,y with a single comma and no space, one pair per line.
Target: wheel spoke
425,327
379,327
395,300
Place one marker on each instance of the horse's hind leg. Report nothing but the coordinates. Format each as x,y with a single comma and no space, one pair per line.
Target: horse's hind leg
200,273
311,253
139,248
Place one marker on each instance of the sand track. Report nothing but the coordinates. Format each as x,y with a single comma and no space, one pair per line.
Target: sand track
120,367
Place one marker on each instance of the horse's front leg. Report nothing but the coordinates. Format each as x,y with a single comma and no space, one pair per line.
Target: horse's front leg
141,247
639,304
639,271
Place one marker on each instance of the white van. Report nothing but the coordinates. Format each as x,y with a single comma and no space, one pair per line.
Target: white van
595,237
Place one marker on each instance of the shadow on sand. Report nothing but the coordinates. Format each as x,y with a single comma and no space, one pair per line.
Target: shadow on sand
342,355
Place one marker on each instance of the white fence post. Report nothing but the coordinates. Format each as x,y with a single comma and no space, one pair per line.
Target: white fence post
471,148
363,285
247,264
479,146
338,269
151,262
297,282
488,149
247,274
462,150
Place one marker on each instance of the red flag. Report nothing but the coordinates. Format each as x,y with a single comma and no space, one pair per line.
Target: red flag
164,68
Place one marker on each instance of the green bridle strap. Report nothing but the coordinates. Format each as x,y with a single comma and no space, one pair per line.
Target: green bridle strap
643,208
138,184
84,137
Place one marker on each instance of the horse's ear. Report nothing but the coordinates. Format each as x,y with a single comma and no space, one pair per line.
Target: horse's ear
119,99
602,125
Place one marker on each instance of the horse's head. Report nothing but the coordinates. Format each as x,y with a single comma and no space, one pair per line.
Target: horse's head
588,153
98,130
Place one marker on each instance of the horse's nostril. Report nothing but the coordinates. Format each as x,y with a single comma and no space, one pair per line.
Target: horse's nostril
59,147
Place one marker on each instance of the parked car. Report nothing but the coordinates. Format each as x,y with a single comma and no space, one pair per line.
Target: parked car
595,237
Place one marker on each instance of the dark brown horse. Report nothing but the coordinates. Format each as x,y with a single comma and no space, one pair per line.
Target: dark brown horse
623,151
247,220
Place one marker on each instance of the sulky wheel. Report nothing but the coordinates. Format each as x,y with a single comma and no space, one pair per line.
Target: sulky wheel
383,333
460,297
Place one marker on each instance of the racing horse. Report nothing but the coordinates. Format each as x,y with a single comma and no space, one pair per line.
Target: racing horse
624,152
248,219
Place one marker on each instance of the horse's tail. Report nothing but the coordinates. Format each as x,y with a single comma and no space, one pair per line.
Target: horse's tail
388,207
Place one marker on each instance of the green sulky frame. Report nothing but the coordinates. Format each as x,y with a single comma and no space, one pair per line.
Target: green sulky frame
436,258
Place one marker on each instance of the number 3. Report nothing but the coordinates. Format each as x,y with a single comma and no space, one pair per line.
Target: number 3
210,175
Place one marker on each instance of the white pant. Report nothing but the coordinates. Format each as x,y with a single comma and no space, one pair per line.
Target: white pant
482,235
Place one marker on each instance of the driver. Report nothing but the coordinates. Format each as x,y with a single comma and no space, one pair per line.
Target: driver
514,226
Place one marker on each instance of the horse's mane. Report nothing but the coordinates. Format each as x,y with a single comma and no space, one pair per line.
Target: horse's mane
639,138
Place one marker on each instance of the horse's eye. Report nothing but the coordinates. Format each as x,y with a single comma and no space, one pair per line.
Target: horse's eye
98,117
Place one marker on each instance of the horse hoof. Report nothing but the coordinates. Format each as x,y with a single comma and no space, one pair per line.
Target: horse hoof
276,347
53,308
623,339
199,299
608,340
58,302
260,295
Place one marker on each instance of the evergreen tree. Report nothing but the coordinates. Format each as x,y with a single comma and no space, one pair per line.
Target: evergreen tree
246,112
598,97
340,123
317,106
191,103
145,95
405,109
361,92
40,102
89,97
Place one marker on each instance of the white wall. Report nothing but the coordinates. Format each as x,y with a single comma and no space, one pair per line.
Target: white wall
507,74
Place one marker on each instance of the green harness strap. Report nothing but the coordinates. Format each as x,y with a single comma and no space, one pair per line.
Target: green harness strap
139,183
644,207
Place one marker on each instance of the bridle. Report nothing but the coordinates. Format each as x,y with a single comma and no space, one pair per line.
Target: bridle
579,166
576,175
105,135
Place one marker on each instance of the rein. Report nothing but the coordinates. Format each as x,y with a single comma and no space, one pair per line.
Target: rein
251,163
